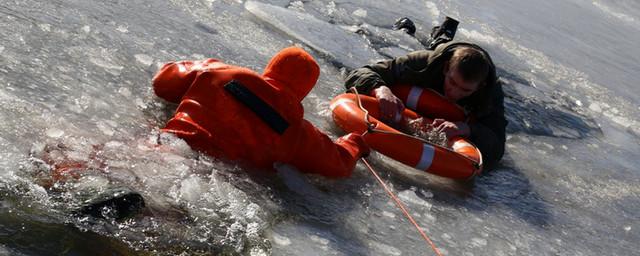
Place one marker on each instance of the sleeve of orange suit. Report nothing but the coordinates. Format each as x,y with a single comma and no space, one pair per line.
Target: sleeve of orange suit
317,153
174,78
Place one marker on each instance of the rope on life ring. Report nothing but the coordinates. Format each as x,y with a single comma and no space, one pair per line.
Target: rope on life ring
371,128
357,113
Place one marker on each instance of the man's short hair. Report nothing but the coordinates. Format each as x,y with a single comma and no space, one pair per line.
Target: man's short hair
472,64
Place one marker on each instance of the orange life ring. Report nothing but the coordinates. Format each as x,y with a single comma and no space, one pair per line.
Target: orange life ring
428,103
462,161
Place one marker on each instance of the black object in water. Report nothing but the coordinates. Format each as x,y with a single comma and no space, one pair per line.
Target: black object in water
443,33
406,25
115,203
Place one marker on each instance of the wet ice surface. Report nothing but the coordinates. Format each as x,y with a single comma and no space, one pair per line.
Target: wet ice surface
77,73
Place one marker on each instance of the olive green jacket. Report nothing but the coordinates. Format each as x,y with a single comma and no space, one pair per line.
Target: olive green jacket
425,69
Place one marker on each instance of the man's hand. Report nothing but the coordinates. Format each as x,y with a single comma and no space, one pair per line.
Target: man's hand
391,107
451,129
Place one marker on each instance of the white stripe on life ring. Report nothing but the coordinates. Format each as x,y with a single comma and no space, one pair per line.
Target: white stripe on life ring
459,145
414,96
426,159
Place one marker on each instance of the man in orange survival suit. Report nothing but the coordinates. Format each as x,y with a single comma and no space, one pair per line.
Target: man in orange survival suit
233,112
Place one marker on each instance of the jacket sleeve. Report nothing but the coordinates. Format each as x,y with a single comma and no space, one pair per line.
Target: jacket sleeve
489,132
317,153
388,72
174,78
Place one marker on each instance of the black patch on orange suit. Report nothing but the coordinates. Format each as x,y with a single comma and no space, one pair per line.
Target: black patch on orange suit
265,112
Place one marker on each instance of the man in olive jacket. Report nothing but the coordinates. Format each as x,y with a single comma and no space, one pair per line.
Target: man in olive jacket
463,73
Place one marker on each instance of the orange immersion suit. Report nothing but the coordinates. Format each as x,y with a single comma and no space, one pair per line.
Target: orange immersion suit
216,116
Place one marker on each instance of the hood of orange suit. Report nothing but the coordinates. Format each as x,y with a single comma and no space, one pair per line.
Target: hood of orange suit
293,70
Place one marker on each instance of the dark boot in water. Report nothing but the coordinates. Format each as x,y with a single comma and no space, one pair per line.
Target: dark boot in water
116,203
443,33
406,25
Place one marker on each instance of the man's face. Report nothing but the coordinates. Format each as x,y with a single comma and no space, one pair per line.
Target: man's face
455,87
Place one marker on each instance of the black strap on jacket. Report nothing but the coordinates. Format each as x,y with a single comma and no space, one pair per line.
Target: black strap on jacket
258,106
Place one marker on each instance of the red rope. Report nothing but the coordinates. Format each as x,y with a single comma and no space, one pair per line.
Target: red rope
401,206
